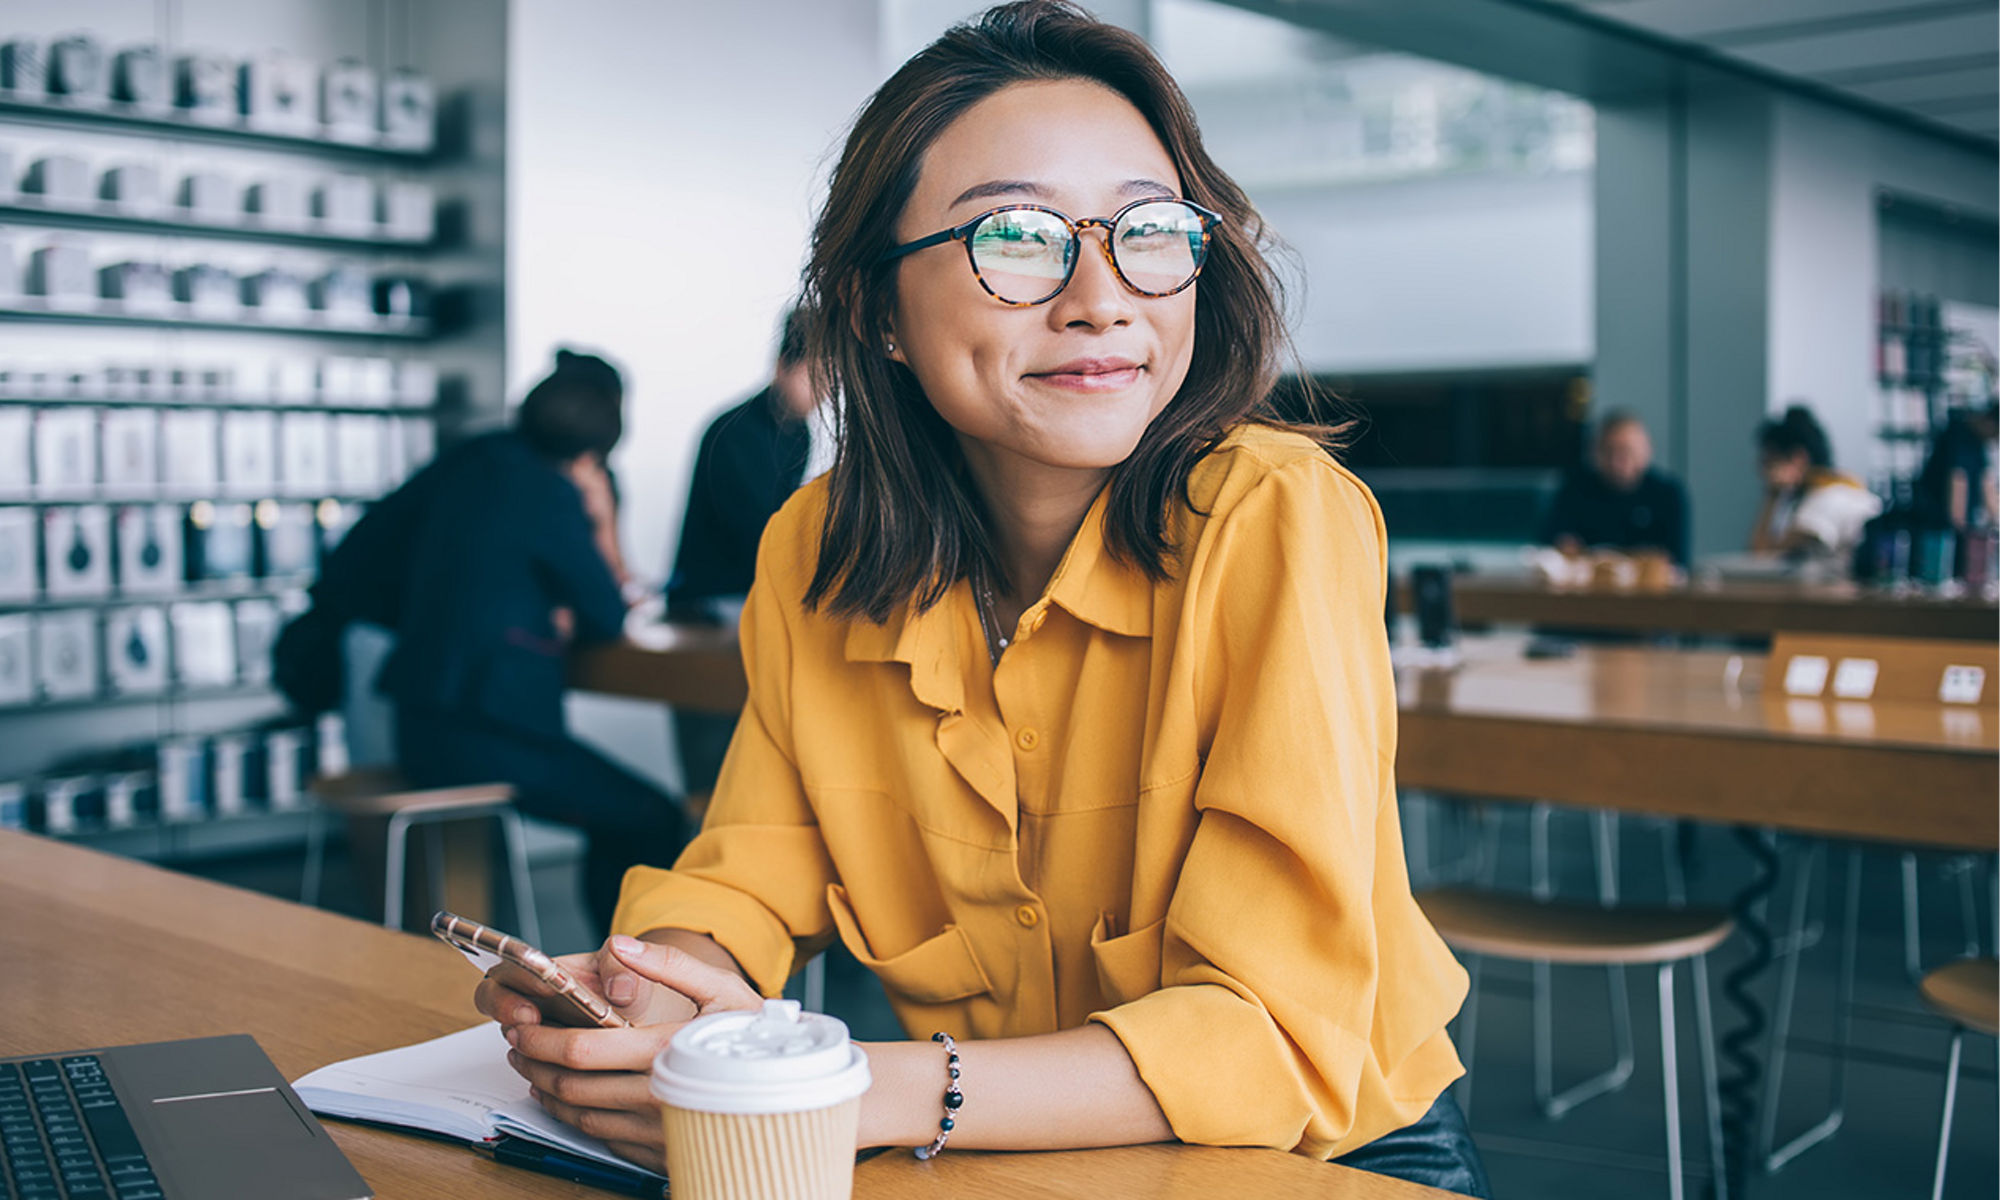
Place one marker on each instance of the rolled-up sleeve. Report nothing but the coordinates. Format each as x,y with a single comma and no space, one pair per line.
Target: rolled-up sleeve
1275,1024
755,878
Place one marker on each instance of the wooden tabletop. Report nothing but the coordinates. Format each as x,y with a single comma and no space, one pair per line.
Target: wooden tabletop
1721,608
1672,732
105,951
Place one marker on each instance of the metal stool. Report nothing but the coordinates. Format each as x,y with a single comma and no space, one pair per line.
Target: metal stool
1966,993
1483,923
381,792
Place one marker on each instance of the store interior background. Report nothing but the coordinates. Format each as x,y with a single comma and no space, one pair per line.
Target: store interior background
1504,217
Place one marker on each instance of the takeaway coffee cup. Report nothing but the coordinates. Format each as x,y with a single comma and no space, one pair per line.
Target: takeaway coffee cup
761,1105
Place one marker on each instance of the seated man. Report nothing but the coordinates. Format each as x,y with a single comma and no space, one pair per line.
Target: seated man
1618,501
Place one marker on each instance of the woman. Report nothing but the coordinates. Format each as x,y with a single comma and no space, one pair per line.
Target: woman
1810,509
1071,710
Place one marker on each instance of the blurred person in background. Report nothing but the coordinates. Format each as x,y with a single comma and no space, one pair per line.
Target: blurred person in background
1810,509
1956,487
752,458
1619,500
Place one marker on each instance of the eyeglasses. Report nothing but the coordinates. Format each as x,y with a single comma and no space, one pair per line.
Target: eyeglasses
1024,254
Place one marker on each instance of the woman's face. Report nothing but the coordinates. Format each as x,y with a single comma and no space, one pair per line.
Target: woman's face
1784,472
1072,383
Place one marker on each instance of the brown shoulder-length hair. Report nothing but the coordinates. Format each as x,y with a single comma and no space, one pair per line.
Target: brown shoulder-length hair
904,521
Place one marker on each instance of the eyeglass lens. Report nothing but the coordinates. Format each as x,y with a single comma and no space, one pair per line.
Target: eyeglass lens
1024,254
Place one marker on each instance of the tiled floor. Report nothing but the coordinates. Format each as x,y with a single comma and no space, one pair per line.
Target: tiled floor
1613,1146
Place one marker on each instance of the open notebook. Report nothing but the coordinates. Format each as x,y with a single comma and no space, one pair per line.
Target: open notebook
458,1086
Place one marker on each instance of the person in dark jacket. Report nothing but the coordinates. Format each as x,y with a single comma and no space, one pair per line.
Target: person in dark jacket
490,565
1618,500
752,458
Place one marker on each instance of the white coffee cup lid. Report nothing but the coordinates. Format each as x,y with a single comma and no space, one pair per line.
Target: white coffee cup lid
777,1060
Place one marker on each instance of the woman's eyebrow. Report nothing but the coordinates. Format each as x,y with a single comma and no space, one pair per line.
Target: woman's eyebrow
1027,187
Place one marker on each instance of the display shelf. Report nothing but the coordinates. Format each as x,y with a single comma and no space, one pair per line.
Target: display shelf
195,593
254,830
106,312
175,694
113,115
106,217
233,404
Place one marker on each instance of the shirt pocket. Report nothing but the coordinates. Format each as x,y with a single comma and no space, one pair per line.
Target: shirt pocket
937,970
1128,966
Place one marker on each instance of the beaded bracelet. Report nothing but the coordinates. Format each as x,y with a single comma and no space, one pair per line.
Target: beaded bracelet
954,1099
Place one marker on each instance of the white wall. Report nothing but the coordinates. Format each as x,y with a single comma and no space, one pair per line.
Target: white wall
1827,166
664,161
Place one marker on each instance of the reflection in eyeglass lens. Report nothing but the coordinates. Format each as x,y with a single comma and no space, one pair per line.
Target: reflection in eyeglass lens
1024,255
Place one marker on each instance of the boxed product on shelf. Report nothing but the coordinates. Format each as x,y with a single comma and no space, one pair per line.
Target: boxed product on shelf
62,803
408,211
360,454
125,795
13,806
330,754
135,650
277,295
13,273
187,381
20,578
140,288
279,203
22,67
333,380
416,383
204,642
60,273
16,456
291,381
284,769
210,292
80,382
17,679
131,439
256,630
342,295
148,540
61,180
374,382
76,552
249,453
139,78
287,539
414,444
276,90
227,755
65,453
217,542
304,466
348,94
209,197
66,666
205,88
77,69
401,297
134,189
188,445
345,204
183,775
409,110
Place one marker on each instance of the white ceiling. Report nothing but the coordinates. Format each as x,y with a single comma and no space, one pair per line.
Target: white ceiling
1936,60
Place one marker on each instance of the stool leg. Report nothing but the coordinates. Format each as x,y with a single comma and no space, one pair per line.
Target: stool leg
815,997
315,858
1950,1101
1468,1029
1843,1004
523,882
1913,935
1788,981
394,867
1704,1029
1968,901
1671,1082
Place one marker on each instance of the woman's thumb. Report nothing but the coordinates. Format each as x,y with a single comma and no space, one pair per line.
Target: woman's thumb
674,968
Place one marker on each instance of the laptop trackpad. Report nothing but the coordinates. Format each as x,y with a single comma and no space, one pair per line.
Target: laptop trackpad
246,1144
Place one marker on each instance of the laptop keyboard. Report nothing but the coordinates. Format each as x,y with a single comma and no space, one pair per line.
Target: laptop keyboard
65,1136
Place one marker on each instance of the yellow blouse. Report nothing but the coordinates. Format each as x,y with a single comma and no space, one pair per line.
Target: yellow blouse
1171,809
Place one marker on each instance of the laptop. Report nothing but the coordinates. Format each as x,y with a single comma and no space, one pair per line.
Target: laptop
198,1119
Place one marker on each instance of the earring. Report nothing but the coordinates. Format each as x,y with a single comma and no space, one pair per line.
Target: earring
891,348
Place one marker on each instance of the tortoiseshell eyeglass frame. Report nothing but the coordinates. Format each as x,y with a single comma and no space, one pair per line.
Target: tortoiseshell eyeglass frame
962,233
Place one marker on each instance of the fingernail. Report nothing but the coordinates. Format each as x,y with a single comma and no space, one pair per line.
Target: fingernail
620,989
524,1014
626,945
513,1036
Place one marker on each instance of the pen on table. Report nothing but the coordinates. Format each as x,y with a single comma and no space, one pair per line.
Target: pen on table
517,1152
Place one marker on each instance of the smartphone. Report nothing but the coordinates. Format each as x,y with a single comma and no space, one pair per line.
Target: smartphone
563,999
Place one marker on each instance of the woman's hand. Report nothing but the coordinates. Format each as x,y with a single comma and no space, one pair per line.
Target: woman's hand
598,1080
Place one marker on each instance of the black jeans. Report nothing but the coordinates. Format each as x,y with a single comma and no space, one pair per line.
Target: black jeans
1437,1152
628,821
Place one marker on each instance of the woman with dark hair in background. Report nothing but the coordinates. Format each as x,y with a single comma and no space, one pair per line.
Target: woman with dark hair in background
1810,509
488,566
1071,711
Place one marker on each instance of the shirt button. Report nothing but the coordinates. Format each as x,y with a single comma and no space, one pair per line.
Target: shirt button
1027,916
1027,739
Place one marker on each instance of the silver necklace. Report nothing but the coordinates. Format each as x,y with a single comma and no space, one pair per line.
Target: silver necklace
989,620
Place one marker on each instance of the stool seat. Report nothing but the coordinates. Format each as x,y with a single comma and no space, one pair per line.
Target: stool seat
382,791
1966,992
1523,928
